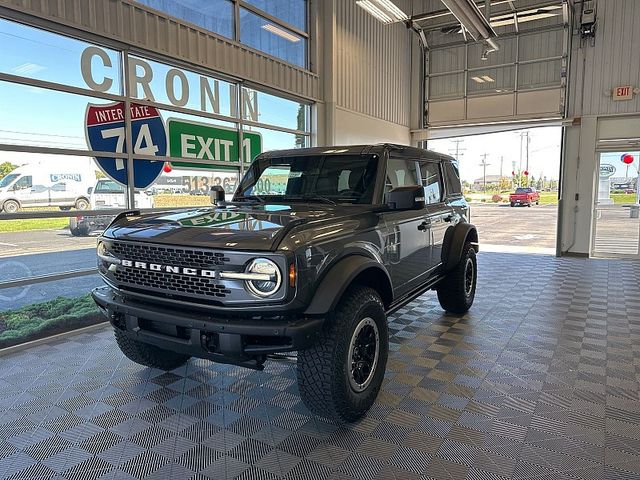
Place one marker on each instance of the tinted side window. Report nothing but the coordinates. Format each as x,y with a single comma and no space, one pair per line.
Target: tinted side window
453,178
431,181
401,173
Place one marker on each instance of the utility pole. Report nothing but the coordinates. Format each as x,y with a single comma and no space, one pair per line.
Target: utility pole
528,140
501,165
457,151
484,166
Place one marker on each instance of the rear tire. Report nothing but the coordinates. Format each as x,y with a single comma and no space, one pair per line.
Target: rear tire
80,230
513,204
340,376
149,355
82,204
458,290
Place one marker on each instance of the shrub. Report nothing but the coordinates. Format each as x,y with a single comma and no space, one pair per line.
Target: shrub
496,198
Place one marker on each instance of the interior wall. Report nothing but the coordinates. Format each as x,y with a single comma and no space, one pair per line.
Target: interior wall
355,128
595,70
367,76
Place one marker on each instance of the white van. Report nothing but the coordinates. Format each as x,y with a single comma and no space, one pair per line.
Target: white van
106,194
37,186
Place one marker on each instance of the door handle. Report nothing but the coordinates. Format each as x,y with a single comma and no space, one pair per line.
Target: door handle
424,225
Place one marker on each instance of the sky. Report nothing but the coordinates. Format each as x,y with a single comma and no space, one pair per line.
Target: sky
504,148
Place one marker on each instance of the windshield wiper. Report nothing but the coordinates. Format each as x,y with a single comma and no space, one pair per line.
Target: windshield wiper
251,198
310,196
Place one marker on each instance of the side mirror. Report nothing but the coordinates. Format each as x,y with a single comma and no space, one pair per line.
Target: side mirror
89,190
406,198
217,195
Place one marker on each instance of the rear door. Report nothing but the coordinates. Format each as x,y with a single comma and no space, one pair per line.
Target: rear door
408,232
439,212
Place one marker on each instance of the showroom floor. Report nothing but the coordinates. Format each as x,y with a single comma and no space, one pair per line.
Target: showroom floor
540,380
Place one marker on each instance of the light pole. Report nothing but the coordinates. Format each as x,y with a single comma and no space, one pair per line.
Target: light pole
484,166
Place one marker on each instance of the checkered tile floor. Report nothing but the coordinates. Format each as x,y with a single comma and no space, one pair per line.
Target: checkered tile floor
539,380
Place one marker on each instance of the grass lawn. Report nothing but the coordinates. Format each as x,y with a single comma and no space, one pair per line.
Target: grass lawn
32,224
626,198
548,198
47,318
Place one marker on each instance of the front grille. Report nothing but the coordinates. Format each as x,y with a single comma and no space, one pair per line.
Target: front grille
171,282
184,257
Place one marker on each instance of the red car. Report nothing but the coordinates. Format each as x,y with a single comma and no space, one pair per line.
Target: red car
524,196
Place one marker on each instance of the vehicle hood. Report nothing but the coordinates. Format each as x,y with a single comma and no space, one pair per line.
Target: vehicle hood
259,227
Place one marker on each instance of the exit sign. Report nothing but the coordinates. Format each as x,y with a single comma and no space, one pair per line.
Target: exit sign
623,93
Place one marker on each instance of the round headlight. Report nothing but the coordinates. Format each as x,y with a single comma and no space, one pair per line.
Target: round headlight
271,282
102,249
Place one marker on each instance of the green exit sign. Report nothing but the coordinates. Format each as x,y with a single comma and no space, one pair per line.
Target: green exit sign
198,140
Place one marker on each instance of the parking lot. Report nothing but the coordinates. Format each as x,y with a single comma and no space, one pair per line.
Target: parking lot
518,229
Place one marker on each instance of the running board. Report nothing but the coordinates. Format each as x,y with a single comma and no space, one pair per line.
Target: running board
411,296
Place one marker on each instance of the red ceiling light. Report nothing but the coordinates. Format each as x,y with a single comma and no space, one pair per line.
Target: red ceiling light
167,168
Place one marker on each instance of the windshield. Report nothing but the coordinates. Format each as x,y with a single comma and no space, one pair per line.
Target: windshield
328,178
8,179
109,186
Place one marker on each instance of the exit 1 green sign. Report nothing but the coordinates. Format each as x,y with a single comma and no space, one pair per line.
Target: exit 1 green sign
198,140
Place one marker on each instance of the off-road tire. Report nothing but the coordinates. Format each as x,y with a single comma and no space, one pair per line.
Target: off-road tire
148,355
453,294
11,206
513,204
324,369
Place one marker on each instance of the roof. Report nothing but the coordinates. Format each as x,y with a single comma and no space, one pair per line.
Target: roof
372,149
490,178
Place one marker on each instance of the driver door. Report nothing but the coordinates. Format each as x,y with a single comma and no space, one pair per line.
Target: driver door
408,232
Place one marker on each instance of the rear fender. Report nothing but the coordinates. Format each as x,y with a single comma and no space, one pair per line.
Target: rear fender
454,241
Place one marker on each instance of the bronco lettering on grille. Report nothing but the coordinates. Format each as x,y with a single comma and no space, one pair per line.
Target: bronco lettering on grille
156,267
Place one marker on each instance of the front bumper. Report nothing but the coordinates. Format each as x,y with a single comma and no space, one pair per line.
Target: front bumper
235,339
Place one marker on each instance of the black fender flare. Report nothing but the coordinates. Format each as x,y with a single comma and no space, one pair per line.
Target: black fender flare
454,240
336,281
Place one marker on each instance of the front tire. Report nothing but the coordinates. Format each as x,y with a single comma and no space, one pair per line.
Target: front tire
149,355
11,206
458,290
340,376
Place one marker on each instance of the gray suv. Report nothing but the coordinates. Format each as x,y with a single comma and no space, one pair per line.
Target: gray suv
314,250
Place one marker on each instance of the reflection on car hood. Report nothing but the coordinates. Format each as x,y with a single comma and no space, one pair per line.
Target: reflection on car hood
258,227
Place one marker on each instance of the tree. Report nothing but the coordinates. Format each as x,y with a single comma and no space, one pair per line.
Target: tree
6,168
505,184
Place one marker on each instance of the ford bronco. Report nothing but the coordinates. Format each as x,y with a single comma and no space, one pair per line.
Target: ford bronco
314,250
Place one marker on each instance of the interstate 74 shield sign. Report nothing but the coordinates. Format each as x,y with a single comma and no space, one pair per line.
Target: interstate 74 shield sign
105,130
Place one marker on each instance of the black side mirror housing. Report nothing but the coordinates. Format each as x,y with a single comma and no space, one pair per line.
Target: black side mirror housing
217,195
406,198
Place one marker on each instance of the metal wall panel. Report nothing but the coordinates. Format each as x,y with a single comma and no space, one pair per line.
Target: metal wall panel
373,64
130,23
612,62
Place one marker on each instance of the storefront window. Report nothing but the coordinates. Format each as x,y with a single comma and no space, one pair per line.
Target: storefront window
262,34
264,108
293,12
44,118
33,53
163,83
213,15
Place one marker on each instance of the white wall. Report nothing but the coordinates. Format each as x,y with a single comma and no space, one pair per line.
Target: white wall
353,128
612,61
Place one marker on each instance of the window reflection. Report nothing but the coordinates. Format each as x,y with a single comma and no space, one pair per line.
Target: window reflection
213,15
273,39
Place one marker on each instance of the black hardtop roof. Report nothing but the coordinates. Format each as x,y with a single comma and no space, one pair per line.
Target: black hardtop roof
375,149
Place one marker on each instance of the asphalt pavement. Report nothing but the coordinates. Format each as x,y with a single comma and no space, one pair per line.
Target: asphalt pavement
24,254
